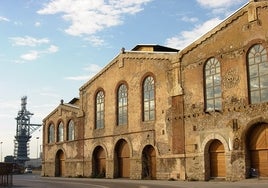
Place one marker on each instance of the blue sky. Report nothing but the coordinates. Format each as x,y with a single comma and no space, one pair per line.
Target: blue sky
50,48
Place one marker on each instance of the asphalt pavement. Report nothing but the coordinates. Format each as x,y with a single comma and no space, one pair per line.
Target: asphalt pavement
34,181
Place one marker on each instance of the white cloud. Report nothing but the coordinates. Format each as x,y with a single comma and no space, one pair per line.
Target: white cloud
187,37
52,49
189,19
87,17
223,7
219,3
217,8
79,78
33,42
28,41
93,69
95,40
37,24
30,56
34,54
4,19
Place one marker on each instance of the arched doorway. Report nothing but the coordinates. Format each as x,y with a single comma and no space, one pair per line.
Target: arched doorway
149,163
258,149
122,159
99,162
59,164
217,160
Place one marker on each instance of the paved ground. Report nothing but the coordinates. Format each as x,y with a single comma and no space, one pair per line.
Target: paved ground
34,180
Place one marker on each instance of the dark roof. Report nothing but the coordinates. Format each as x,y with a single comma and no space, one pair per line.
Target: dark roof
156,48
74,100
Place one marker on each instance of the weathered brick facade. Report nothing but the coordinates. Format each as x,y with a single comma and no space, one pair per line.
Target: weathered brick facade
184,137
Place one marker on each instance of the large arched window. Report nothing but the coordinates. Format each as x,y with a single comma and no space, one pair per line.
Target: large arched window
122,105
60,132
148,99
258,74
213,91
70,130
99,110
51,135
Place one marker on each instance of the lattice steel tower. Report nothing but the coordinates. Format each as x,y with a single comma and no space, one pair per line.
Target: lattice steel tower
23,133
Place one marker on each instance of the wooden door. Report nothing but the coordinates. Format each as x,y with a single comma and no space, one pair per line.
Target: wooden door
217,159
100,159
258,147
60,164
149,163
123,160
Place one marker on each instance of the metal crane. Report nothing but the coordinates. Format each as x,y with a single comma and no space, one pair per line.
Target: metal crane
23,133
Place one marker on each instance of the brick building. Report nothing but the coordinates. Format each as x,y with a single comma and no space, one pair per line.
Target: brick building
159,113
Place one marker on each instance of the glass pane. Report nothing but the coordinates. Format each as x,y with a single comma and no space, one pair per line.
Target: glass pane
209,81
218,104
152,94
218,69
251,57
264,95
264,58
146,96
263,67
217,79
152,115
151,105
210,93
146,106
217,92
257,58
146,116
124,120
255,97
253,71
212,71
254,83
210,105
264,81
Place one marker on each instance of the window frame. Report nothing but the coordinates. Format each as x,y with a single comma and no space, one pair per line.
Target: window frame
99,110
70,130
122,104
148,91
212,85
60,132
51,133
260,67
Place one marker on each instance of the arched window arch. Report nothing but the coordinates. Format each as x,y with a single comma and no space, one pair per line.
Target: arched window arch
148,99
51,135
99,113
213,90
70,130
60,132
122,105
258,74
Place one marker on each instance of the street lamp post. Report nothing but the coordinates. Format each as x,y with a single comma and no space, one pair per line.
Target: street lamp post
1,150
37,147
